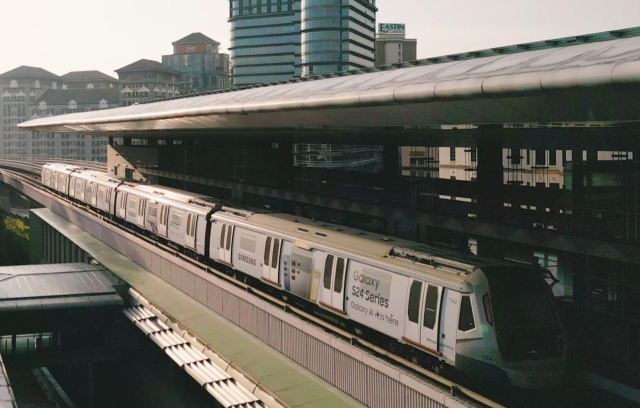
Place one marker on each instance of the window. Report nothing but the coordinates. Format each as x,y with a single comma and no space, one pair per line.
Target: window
431,307
337,285
267,250
452,154
515,156
328,267
541,158
552,157
474,155
487,308
466,321
276,253
229,238
413,308
222,233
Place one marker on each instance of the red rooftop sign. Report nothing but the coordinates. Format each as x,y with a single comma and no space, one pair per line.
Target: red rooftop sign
191,48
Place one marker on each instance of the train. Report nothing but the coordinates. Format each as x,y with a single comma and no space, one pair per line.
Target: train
488,320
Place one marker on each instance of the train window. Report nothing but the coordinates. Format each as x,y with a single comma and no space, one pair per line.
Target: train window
413,308
189,225
487,308
229,238
193,226
466,321
267,251
276,252
337,284
328,268
224,228
430,307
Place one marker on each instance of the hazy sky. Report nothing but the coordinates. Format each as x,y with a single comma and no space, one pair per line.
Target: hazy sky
74,35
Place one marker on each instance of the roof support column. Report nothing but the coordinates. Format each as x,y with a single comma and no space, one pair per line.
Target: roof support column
490,190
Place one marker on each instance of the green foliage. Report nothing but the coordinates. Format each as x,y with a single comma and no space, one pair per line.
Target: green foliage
14,240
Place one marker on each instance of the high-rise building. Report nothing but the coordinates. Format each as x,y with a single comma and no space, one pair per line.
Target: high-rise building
202,66
392,47
146,80
20,86
337,35
265,41
279,40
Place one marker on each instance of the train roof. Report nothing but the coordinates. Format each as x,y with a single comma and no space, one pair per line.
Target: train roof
61,167
97,176
176,198
172,193
448,266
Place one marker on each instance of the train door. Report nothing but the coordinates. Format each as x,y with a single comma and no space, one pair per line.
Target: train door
271,264
226,237
162,221
423,307
54,180
80,189
332,289
62,183
190,233
72,187
141,207
47,177
449,323
122,205
101,198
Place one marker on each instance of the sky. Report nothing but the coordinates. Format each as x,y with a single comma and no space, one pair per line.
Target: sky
76,35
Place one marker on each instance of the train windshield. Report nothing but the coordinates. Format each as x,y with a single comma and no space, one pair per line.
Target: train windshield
523,315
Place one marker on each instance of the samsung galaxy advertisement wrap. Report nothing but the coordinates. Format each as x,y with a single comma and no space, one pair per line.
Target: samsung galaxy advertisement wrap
369,298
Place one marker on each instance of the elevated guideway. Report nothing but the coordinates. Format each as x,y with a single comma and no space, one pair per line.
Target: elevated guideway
277,355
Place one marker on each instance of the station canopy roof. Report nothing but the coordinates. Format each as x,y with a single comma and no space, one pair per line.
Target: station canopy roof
589,78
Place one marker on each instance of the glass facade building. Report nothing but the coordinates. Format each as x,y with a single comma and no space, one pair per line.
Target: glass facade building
265,41
337,35
279,40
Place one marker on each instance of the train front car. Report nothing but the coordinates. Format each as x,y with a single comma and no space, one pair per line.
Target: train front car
522,338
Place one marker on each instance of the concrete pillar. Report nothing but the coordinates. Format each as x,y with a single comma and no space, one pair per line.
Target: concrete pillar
490,188
390,166
490,177
285,162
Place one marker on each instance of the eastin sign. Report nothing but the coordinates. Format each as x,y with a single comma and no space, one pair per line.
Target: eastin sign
385,28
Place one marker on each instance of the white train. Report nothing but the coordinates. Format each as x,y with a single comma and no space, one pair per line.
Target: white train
489,320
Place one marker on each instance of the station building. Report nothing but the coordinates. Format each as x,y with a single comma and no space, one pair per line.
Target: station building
528,153
202,66
281,40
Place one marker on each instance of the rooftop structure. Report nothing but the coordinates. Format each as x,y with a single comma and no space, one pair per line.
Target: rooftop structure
147,80
484,88
203,68
89,80
392,46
